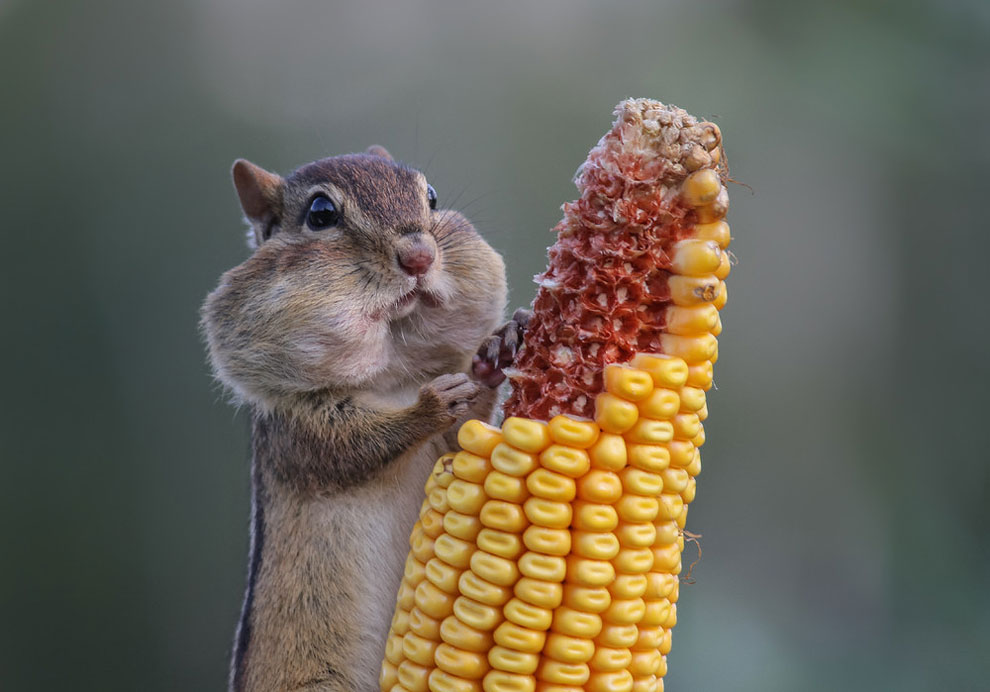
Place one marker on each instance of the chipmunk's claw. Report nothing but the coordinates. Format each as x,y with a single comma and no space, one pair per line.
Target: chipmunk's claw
499,350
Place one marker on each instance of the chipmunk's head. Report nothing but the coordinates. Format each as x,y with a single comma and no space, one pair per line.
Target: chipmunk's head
356,280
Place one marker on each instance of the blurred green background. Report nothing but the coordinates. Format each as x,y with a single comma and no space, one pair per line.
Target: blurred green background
845,503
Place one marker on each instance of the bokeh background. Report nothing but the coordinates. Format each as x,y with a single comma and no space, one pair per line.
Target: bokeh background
845,502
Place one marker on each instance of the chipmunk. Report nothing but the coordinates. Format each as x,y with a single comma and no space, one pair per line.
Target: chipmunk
360,332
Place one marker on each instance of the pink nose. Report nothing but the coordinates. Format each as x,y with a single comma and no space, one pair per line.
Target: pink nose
416,259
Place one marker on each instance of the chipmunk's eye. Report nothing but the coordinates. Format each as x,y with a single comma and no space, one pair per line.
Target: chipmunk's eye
322,214
431,195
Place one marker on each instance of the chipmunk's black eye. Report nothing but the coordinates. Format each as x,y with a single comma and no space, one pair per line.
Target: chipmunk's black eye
322,214
431,195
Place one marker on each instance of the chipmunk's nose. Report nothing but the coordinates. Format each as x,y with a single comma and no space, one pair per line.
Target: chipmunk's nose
415,254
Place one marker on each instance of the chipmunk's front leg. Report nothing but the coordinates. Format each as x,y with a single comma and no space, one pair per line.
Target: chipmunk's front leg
344,443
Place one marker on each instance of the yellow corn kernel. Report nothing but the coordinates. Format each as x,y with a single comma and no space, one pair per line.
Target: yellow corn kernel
512,461
537,592
504,516
418,650
465,497
665,645
691,348
462,526
561,673
628,586
478,438
636,508
640,482
656,612
512,636
647,431
649,638
721,297
722,272
548,568
566,430
649,683
644,663
502,486
717,231
628,382
569,461
614,415
438,499
454,551
512,661
686,426
667,558
432,523
548,513
692,399
550,485
422,546
662,670
701,187
441,475
607,659
414,570
542,686
699,439
667,532
413,677
406,597
636,534
442,681
659,584
715,211
589,572
653,458
589,516
567,649
697,319
666,370
501,681
681,453
694,468
671,620
479,616
576,623
674,480
481,590
547,541
591,599
442,575
594,545
625,611
460,635
662,404
493,568
599,486
617,635
393,649
526,435
470,467
501,543
612,681
691,257
527,615
609,452
634,560
688,493
400,622
388,676
432,601
701,375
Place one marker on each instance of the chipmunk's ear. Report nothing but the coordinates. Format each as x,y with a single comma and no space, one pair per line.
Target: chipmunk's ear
260,193
379,150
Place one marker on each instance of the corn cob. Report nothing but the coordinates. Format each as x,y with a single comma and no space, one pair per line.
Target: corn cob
548,550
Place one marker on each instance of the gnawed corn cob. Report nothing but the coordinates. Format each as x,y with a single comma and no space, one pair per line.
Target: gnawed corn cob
547,553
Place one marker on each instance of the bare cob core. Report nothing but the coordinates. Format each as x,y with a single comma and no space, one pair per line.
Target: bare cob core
606,293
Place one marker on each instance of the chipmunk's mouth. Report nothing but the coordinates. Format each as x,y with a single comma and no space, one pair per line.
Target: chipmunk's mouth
408,302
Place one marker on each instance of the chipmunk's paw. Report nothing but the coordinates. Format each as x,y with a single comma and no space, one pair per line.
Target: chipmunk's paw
448,397
499,350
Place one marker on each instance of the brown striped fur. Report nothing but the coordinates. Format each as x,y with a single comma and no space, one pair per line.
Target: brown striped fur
353,397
